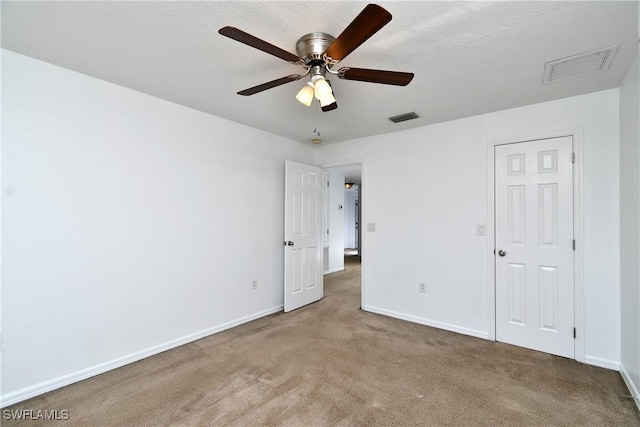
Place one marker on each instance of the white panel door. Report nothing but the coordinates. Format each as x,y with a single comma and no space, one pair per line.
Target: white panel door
534,245
303,235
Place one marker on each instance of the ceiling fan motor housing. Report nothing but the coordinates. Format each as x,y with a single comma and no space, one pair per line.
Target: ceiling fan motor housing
312,46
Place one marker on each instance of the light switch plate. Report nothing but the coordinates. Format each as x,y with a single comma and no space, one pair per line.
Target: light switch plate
371,226
482,229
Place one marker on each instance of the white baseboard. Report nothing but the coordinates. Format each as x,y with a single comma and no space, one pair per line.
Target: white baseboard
83,374
333,270
602,363
633,389
428,322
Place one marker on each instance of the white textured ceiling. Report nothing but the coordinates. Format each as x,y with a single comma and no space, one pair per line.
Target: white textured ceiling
468,57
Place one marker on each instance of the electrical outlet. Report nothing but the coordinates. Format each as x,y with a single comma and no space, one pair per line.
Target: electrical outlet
422,287
254,285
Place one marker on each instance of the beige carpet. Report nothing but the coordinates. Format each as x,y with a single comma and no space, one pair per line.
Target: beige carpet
332,364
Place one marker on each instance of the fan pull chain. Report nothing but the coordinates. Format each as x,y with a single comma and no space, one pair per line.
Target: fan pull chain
317,112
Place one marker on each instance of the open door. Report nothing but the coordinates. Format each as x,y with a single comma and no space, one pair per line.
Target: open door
302,235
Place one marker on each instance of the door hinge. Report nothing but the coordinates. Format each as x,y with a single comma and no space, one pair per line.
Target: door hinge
327,183
327,231
574,245
574,333
573,157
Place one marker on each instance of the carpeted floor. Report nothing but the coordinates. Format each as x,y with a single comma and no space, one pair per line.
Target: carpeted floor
332,364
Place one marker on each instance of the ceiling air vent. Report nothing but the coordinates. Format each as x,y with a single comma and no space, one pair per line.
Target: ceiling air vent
404,117
579,65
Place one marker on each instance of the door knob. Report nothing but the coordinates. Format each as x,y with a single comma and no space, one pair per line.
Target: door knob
289,243
501,252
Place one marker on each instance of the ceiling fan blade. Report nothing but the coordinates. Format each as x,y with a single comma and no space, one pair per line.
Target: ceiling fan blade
248,39
375,76
269,85
366,24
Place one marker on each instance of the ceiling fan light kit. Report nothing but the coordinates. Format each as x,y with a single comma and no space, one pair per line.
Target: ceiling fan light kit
323,92
317,52
305,95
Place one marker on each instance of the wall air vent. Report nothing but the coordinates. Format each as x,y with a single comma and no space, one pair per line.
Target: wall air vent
584,64
404,117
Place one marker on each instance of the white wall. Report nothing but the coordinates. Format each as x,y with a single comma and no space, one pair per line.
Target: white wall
336,221
130,225
119,240
630,226
426,189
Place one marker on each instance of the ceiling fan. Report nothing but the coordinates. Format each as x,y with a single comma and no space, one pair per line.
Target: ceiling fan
318,52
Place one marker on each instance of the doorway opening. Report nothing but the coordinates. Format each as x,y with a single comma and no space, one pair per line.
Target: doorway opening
343,243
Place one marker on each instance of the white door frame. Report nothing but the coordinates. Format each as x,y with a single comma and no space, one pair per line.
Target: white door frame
363,236
356,217
578,255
